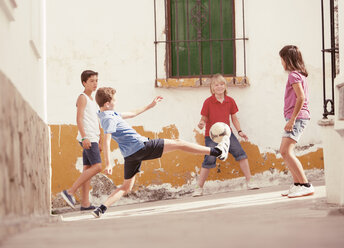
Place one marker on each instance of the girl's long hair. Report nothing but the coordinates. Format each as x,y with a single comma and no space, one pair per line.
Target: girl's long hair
292,57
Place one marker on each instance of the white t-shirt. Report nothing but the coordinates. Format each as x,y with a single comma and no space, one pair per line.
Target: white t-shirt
90,121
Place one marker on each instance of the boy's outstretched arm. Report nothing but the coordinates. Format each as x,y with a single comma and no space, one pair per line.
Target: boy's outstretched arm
106,144
131,114
236,124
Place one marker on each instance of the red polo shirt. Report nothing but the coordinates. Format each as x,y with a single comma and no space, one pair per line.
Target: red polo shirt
216,111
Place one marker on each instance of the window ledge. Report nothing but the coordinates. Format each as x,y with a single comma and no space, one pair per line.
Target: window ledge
195,82
326,122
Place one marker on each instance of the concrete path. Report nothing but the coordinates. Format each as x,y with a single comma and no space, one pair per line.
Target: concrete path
260,218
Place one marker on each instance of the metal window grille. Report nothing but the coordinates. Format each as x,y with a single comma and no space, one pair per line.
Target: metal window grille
198,17
334,52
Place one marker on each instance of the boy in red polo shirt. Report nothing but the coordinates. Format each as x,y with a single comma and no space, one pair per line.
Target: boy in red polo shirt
218,108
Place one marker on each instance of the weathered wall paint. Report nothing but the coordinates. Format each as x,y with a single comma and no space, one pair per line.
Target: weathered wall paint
176,168
24,132
124,57
24,163
195,82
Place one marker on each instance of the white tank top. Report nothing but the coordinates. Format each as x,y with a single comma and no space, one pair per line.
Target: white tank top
90,121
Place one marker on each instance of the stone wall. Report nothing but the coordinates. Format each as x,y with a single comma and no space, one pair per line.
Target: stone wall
24,162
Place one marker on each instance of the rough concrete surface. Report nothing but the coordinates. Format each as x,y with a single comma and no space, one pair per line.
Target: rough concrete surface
260,218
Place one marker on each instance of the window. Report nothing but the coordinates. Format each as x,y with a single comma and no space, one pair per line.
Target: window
200,40
201,35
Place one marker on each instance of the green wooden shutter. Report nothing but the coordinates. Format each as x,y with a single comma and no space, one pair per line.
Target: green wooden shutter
185,22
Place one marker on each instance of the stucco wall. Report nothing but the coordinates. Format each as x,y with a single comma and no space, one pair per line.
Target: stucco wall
175,168
24,162
117,41
22,53
24,133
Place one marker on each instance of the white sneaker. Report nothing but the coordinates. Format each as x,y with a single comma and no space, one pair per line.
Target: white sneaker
223,146
251,185
198,191
302,191
291,189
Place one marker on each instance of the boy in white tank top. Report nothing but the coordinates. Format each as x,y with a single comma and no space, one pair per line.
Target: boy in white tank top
89,139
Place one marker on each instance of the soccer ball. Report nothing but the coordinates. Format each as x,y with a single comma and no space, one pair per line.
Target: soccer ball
218,130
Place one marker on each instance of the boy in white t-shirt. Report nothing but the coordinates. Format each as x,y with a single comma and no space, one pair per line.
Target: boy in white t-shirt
89,139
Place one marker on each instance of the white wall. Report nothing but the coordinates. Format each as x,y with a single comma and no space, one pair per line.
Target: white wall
116,39
21,33
333,132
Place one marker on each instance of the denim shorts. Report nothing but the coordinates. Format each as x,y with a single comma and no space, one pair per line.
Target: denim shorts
91,156
234,148
295,134
132,164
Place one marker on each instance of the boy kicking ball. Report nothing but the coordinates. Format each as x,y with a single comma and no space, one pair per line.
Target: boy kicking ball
136,148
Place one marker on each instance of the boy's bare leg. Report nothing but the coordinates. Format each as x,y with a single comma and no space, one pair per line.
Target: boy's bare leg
294,164
119,192
85,190
173,145
203,176
85,176
245,168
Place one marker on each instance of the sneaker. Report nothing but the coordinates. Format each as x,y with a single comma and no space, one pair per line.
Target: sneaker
223,146
97,213
91,207
198,191
291,189
302,191
251,185
68,198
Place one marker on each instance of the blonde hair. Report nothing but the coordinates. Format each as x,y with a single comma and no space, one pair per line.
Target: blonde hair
104,95
217,78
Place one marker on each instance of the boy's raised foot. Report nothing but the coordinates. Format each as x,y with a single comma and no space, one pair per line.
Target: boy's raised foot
223,146
68,198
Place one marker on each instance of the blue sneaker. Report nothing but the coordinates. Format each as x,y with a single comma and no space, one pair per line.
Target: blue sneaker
97,213
91,207
68,198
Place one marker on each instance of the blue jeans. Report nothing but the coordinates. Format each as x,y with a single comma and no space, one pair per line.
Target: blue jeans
234,148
